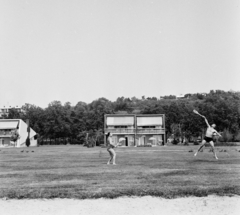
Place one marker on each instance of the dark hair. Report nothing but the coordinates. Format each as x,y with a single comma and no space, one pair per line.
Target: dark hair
107,135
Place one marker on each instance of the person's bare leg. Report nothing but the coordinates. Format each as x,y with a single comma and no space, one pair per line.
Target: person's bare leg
214,153
114,157
203,144
111,156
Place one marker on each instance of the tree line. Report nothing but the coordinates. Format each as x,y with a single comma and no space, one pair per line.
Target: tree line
84,123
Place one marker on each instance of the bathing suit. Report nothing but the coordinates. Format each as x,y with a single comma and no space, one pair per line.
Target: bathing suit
109,146
208,139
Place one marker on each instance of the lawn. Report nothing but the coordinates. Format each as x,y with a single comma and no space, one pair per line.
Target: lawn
80,172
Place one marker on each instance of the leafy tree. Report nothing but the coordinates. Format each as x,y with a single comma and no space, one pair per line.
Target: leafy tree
97,110
123,104
36,116
71,123
13,114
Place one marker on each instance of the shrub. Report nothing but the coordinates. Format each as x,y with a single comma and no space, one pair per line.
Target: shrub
226,136
28,142
144,146
237,137
175,141
195,142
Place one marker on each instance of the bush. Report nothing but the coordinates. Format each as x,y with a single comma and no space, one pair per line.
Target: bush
226,136
195,142
145,146
237,137
175,141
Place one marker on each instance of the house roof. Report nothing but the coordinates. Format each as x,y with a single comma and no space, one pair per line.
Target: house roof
8,124
120,120
148,121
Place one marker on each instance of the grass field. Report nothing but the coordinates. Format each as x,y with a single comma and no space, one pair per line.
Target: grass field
79,172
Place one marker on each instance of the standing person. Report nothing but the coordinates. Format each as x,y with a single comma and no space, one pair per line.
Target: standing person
110,147
209,136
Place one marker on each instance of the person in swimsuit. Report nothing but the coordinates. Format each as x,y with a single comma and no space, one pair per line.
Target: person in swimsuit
110,147
210,133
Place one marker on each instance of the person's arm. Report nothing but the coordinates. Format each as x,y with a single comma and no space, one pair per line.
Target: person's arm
206,121
217,133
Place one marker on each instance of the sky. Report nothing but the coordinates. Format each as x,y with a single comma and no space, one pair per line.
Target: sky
82,50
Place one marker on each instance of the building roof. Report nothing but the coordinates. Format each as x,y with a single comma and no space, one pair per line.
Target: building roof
8,124
120,120
148,121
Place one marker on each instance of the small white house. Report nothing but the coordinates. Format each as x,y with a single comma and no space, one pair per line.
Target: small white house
9,125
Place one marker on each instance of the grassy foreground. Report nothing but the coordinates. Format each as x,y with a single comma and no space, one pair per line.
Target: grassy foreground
79,172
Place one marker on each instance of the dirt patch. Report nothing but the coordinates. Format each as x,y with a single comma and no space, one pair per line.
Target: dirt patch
125,205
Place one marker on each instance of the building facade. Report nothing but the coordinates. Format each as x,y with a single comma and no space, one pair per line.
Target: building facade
150,129
4,110
136,129
7,126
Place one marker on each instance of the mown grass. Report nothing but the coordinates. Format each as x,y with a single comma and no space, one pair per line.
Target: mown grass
79,172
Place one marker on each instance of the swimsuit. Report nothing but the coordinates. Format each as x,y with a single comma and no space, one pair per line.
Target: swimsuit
208,139
109,146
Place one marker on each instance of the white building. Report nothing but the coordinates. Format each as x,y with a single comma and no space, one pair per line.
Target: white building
150,129
123,128
6,128
136,129
4,110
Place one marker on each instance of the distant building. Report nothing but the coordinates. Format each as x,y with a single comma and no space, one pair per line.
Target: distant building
4,110
136,130
150,129
122,127
181,96
6,128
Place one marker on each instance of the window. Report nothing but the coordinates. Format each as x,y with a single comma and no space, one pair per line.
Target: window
148,126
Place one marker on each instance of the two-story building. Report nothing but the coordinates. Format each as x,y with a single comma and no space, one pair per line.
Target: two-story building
7,126
122,127
136,130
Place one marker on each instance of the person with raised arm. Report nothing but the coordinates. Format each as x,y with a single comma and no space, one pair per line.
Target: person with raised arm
210,133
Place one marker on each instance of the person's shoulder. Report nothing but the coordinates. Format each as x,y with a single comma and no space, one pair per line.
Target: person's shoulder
214,132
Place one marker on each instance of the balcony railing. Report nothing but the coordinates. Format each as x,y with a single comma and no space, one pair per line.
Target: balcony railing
135,131
5,133
120,130
150,131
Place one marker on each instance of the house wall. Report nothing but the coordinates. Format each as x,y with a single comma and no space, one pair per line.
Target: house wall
23,135
4,141
11,125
